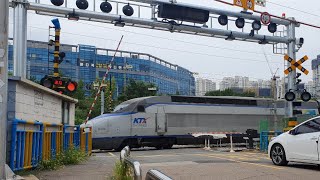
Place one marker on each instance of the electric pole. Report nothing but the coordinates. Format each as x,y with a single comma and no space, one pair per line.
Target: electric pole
292,53
4,21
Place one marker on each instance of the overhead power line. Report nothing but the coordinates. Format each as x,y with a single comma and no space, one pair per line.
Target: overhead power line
299,10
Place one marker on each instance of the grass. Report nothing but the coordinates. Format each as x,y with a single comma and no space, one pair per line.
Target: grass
69,157
121,171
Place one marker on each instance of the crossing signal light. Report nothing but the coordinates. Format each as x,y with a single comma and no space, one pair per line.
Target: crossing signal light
223,20
106,7
82,4
182,13
71,86
57,2
59,84
305,96
290,96
127,10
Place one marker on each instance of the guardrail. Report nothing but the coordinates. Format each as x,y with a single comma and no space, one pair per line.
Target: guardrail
152,174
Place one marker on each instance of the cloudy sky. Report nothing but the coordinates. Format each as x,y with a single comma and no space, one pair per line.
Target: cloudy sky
210,57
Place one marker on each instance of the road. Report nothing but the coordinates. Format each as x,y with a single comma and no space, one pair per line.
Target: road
189,164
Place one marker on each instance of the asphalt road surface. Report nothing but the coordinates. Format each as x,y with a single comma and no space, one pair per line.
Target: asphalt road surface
191,164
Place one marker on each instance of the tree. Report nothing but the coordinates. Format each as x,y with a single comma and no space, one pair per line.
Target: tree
137,89
230,92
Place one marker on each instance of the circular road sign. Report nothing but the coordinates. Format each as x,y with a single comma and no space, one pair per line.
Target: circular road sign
265,18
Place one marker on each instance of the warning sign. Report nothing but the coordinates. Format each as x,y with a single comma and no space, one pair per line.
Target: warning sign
246,4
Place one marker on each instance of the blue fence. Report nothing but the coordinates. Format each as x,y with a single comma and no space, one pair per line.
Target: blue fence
265,137
36,141
71,136
26,144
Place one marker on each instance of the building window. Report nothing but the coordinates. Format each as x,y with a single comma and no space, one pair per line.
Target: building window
65,112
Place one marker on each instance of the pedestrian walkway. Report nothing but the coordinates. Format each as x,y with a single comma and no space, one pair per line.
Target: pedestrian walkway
98,166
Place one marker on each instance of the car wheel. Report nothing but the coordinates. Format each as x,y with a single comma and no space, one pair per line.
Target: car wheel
278,155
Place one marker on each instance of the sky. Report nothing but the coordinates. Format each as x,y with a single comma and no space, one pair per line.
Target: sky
211,58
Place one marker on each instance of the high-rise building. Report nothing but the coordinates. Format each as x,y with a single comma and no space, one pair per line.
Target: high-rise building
315,65
203,86
86,63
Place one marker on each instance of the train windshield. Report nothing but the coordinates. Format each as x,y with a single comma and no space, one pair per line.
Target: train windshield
120,107
128,106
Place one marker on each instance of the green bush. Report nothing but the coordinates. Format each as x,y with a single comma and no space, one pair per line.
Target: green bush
68,157
121,171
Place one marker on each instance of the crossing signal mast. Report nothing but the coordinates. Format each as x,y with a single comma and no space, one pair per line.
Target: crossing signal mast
55,82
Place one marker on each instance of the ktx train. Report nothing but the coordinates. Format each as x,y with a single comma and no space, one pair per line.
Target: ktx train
162,121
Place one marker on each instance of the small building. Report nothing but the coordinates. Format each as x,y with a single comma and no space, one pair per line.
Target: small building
32,102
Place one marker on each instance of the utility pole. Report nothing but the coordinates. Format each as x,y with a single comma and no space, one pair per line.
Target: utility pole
292,53
4,21
19,37
102,100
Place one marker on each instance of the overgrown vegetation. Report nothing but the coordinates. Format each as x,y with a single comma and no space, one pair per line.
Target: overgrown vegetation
121,171
69,157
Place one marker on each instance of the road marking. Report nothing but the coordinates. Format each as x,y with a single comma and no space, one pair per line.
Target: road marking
256,164
111,154
160,155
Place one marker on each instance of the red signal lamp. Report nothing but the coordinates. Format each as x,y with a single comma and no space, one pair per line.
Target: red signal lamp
71,86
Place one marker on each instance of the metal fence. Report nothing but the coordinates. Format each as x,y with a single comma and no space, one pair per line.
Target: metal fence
35,141
52,140
26,145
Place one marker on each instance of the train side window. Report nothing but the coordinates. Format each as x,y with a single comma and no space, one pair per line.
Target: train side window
141,108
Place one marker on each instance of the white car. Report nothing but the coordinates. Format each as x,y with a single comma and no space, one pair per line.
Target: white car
301,144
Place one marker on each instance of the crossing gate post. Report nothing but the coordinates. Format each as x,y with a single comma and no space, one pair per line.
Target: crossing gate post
86,140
